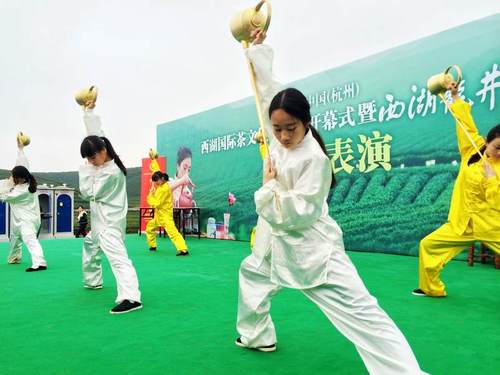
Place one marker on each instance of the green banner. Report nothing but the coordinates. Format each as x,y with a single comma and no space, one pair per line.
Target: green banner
392,144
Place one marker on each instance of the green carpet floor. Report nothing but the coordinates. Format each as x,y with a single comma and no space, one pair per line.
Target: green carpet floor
50,324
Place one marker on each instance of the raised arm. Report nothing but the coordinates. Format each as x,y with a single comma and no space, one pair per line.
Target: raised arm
21,159
462,111
261,56
92,122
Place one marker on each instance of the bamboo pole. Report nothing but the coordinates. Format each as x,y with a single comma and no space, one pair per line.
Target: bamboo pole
447,105
258,103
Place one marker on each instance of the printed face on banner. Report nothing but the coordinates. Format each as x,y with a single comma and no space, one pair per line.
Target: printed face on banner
184,167
183,195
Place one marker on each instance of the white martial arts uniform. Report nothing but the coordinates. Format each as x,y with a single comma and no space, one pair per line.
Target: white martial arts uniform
24,219
105,188
298,245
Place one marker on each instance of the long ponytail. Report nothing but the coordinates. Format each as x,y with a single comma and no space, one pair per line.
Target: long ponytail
321,143
113,155
477,156
93,144
23,173
32,184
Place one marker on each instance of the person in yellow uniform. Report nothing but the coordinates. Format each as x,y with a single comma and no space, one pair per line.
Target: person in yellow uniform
160,198
475,205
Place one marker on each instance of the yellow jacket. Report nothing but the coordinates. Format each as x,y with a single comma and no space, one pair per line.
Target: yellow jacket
162,201
475,199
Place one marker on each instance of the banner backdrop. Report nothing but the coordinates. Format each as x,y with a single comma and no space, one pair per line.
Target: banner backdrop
392,144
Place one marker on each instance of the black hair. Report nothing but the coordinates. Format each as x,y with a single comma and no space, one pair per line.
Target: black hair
183,153
22,172
159,175
492,134
293,102
93,144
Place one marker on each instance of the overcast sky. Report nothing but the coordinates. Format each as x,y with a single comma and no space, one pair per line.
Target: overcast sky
158,60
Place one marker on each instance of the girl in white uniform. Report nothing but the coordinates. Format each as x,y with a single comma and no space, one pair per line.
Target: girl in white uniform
298,245
20,192
103,183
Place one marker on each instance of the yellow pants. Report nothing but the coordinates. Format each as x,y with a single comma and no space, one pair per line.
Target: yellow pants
437,249
171,230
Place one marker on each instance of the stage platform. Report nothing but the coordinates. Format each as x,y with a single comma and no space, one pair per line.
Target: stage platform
50,324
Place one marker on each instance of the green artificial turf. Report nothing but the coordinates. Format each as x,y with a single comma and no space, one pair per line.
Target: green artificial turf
50,324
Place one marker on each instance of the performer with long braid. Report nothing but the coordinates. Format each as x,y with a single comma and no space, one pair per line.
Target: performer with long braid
103,183
20,192
298,245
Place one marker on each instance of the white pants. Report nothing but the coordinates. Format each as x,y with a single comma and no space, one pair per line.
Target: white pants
28,236
110,242
344,299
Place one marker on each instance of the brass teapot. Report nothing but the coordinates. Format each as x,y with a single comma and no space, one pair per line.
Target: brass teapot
439,83
153,154
243,23
23,139
83,97
259,137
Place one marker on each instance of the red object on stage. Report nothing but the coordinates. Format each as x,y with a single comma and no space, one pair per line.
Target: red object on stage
146,182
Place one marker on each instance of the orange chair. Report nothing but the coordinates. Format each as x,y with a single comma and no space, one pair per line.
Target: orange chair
484,253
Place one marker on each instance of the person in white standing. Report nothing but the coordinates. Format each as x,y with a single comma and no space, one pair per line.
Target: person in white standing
298,245
20,192
103,183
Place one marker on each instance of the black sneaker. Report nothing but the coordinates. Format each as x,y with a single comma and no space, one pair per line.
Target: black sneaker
126,306
266,349
182,253
152,249
40,268
419,293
